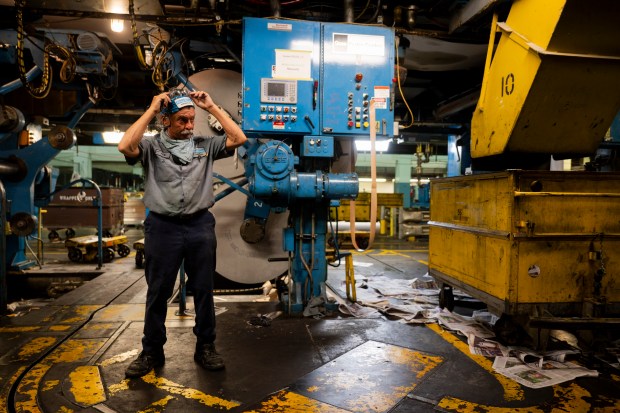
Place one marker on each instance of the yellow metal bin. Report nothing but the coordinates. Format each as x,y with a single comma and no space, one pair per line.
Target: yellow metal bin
530,242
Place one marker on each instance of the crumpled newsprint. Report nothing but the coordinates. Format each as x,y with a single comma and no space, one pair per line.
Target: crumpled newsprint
411,301
528,367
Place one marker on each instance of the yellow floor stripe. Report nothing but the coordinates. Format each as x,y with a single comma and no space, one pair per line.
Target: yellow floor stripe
566,399
35,347
19,329
158,406
285,401
5,393
512,389
28,389
174,388
373,377
69,352
86,386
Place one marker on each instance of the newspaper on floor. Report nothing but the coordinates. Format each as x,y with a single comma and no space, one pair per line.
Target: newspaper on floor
534,376
538,359
466,325
410,313
479,336
411,301
358,310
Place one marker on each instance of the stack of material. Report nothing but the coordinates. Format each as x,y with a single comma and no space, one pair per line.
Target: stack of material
134,211
413,223
76,208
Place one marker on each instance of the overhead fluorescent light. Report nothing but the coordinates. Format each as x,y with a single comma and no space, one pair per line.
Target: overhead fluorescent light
364,146
117,25
112,136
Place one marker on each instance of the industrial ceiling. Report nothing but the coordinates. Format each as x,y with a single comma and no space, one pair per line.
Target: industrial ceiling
442,49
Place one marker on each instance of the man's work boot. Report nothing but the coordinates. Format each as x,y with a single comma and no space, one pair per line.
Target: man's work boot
208,358
144,363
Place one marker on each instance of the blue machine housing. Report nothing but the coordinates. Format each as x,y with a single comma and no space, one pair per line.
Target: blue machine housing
305,86
313,78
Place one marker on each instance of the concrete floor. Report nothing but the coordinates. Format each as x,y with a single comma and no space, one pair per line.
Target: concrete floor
70,355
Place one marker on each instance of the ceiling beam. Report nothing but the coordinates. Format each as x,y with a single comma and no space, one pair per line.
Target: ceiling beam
470,12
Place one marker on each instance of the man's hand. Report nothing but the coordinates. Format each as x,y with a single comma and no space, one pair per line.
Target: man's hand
159,102
202,100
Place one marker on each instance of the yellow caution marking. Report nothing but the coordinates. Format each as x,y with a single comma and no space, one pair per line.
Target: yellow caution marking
71,314
512,389
158,406
400,253
422,250
76,350
370,378
566,399
58,327
119,387
19,329
615,377
121,312
49,385
285,401
68,352
174,388
36,346
65,409
119,358
611,405
378,401
86,386
80,314
4,394
99,326
26,397
419,363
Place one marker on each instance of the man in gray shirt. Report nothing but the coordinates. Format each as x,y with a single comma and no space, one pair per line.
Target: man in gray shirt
179,227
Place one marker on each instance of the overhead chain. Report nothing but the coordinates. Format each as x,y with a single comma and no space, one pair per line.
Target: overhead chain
43,90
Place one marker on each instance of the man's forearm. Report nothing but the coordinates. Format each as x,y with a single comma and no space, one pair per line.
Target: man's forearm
133,135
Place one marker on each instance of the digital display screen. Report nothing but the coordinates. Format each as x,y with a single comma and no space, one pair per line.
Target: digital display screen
276,89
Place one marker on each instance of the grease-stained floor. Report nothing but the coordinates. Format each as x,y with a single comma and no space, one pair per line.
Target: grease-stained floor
70,356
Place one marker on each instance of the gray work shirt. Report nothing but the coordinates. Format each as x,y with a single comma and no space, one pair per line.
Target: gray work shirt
172,188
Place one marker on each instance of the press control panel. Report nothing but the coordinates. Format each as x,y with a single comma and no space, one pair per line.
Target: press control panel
278,91
312,78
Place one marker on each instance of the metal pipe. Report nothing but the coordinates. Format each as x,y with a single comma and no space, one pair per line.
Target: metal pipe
348,11
17,83
8,168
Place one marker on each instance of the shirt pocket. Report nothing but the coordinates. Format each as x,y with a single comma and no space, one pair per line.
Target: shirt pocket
165,169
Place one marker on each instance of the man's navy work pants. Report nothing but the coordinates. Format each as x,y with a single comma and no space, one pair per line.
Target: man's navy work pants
168,241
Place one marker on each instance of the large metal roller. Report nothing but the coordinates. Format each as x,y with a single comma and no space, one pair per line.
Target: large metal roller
237,260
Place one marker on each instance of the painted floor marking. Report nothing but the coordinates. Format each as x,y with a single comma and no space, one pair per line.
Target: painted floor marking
371,378
512,389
